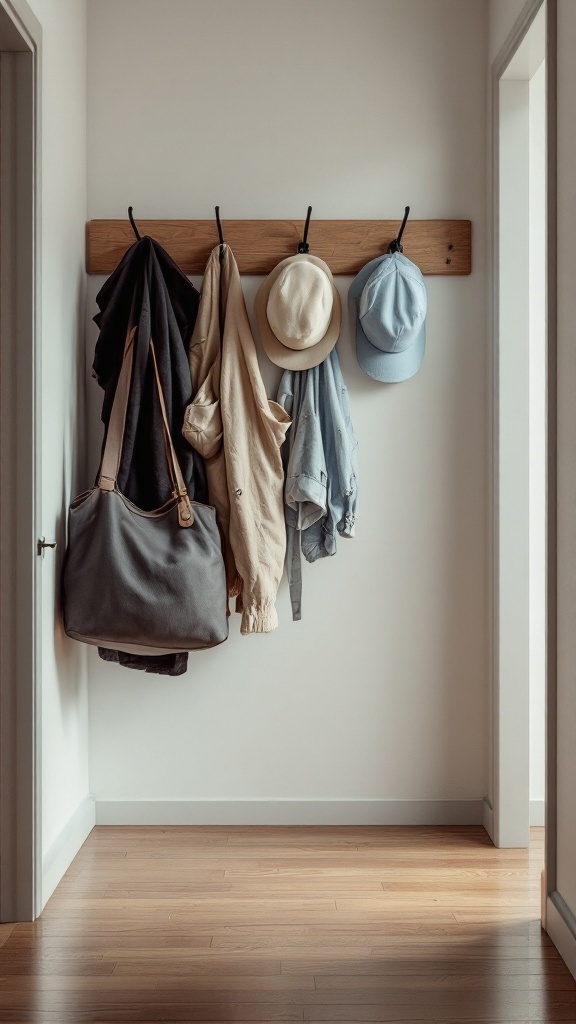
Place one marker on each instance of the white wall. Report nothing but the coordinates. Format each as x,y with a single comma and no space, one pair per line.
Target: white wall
380,693
63,212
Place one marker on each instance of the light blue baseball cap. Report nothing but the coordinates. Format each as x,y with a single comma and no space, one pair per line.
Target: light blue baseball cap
389,296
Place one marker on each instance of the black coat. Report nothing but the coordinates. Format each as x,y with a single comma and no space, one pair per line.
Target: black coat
148,290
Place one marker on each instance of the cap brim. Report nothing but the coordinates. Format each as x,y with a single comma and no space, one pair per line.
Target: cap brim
389,367
281,355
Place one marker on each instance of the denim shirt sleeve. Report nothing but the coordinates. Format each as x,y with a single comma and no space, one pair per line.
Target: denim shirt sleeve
340,452
305,495
346,454
306,471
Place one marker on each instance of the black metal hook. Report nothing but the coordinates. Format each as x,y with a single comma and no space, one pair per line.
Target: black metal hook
220,235
303,245
133,223
396,245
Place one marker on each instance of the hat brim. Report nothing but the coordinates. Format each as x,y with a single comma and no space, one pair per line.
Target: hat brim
281,355
387,367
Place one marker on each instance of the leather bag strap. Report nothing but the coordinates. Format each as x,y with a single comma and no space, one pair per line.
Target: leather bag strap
185,514
113,448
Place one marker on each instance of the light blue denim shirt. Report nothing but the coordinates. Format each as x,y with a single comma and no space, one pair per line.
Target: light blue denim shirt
320,453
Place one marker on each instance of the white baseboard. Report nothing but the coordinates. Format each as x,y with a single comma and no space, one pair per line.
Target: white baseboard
561,927
488,817
537,815
289,812
59,857
538,812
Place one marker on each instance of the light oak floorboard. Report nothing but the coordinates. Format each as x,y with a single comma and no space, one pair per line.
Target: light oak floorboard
411,925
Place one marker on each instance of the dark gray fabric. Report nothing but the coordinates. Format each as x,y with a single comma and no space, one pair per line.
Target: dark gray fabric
158,665
157,583
149,289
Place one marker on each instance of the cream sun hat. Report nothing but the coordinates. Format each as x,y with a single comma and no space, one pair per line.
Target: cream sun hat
298,312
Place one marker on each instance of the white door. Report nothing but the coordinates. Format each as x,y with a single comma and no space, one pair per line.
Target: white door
66,809
45,809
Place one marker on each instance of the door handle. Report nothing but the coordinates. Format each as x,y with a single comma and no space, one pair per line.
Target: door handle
43,544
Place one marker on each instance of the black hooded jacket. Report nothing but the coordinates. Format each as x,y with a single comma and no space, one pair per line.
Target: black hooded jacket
149,291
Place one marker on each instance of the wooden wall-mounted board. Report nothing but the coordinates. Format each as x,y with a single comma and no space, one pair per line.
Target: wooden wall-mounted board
436,246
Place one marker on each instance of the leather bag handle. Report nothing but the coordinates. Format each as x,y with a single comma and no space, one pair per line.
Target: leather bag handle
113,448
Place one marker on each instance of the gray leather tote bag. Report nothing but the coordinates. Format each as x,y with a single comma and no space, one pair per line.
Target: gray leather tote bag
143,582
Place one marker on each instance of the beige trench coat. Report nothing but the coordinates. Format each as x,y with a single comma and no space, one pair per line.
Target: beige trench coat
238,431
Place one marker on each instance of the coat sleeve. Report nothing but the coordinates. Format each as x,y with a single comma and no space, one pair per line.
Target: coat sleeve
203,418
253,431
202,426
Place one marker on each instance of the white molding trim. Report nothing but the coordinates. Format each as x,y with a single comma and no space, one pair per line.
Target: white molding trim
537,815
538,812
59,857
561,927
511,810
289,812
488,817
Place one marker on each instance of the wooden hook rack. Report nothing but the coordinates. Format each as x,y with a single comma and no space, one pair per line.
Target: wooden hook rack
436,246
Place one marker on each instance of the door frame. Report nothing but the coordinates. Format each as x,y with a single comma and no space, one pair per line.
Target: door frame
550,870
506,825
557,917
20,412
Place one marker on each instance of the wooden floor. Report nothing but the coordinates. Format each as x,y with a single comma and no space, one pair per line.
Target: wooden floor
289,924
